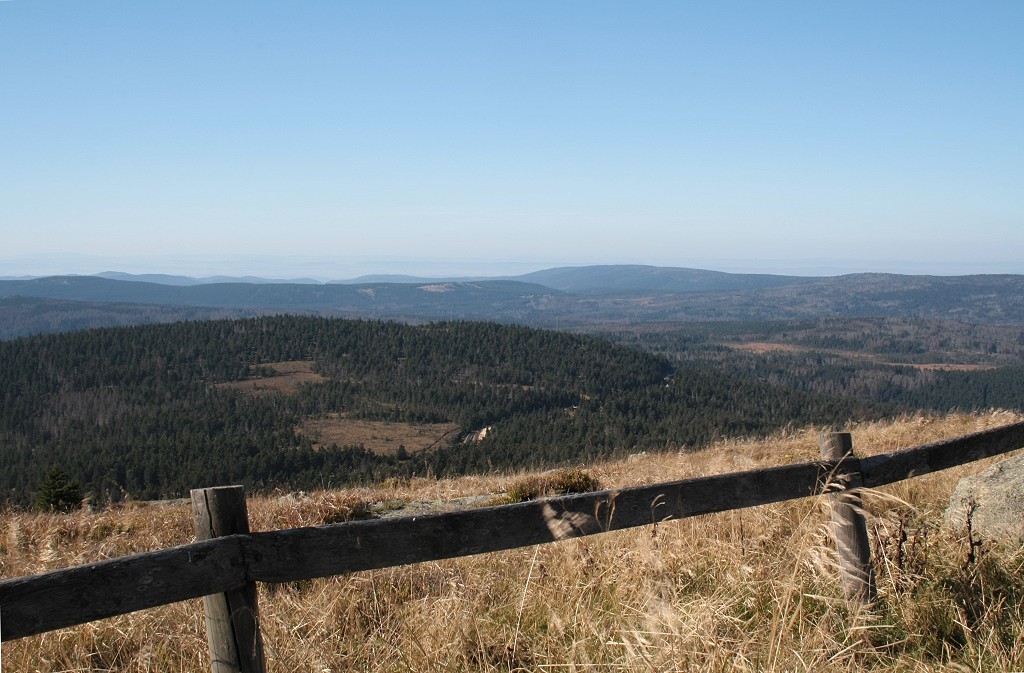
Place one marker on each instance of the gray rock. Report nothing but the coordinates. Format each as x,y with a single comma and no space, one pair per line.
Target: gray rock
994,500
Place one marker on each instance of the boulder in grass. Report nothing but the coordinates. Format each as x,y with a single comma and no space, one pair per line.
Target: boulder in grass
994,501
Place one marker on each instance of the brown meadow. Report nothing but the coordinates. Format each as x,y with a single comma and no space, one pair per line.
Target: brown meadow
750,590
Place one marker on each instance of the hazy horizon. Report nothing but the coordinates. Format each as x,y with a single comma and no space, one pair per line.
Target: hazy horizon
326,269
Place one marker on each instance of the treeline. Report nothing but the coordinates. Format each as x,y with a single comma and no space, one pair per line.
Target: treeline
24,316
910,340
880,360
903,386
138,411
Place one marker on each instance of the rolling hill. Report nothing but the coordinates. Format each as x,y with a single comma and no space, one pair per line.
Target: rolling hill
566,297
635,278
292,401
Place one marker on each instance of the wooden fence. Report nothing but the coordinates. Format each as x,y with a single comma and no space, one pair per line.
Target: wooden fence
225,567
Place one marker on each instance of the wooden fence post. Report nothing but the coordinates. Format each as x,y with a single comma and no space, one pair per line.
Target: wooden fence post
232,618
848,525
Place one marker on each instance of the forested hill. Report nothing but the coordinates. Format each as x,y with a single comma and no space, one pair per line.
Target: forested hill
627,278
561,298
152,411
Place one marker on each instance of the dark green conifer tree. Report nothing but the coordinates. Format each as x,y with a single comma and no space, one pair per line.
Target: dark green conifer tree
58,492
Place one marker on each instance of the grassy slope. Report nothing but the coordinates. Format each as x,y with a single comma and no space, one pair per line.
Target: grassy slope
748,590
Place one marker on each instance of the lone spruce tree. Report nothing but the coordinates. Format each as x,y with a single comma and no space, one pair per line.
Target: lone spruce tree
58,492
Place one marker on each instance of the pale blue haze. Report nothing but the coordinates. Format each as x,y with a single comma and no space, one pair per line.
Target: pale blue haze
332,139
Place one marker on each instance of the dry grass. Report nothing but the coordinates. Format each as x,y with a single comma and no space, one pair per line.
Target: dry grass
752,590
286,379
555,482
383,437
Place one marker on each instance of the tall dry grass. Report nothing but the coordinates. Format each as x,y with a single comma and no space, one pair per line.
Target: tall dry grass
751,590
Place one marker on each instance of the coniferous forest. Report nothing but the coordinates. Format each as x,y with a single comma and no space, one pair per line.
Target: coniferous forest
145,412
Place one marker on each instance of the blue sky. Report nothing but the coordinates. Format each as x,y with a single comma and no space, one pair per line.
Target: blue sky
330,139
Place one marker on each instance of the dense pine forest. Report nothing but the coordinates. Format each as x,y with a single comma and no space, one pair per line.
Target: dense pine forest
151,411
909,363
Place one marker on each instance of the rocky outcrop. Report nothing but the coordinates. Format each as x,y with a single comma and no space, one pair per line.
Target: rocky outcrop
993,500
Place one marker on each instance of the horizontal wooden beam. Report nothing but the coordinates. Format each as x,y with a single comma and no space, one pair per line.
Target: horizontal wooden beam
305,553
887,468
53,600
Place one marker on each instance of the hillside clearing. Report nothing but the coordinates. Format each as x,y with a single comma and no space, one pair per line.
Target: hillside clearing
381,437
285,379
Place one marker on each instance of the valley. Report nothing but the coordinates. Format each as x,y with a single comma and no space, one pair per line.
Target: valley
565,298
270,386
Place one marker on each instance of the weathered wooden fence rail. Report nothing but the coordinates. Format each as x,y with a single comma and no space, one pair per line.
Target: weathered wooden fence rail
235,560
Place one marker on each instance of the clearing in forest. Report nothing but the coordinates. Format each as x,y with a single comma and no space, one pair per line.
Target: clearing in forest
382,437
287,377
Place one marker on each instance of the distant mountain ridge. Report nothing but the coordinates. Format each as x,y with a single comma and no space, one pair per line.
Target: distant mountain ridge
593,279
166,279
268,295
615,278
403,278
560,297
642,278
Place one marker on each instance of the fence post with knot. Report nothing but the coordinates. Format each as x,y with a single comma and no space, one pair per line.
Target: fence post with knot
848,525
232,618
